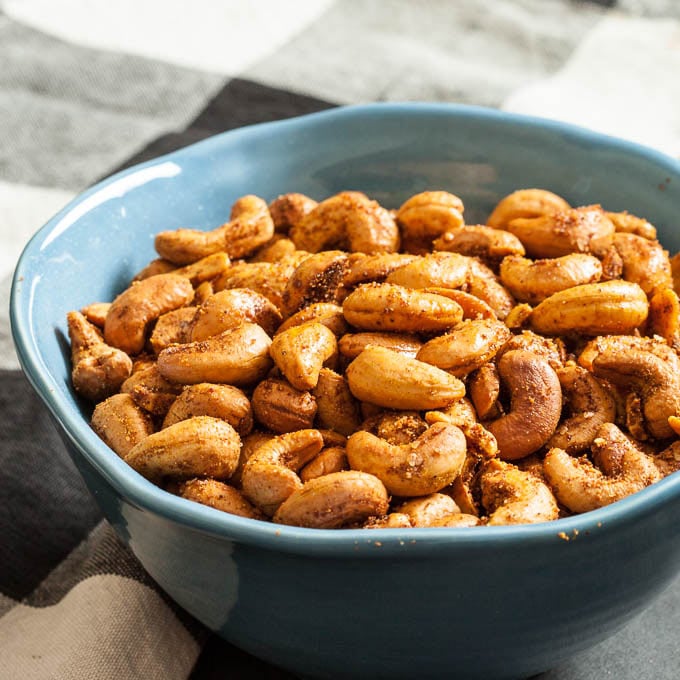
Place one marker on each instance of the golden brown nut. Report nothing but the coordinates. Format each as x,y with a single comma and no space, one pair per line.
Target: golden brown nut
468,346
351,345
220,496
489,244
608,307
205,269
337,408
623,470
151,390
288,210
347,221
96,313
330,460
386,378
120,423
218,401
98,370
136,308
301,352
238,356
172,328
229,308
512,496
426,511
250,226
197,447
645,262
535,404
280,407
333,501
362,268
387,307
525,203
421,467
440,269
327,313
472,306
630,224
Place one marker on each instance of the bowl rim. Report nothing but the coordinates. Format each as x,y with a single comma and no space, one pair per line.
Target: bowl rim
352,542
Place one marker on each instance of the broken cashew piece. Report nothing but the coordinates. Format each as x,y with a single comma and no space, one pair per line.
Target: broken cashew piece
220,496
98,369
335,500
270,474
582,487
535,404
421,467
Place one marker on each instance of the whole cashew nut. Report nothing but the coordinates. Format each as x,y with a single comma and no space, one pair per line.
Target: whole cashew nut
427,510
280,407
288,210
120,423
525,203
335,500
424,466
220,496
488,244
582,487
134,309
535,404
512,496
270,474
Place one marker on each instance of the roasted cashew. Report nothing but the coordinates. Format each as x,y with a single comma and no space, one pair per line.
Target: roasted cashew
249,444
518,317
396,427
534,281
488,244
335,500
427,510
645,262
484,388
484,284
267,278
630,224
337,408
364,268
468,346
276,248
664,316
220,496
590,404
461,414
535,404
444,270
269,476
351,345
250,226
512,496
98,369
388,307
151,390
426,216
143,302
525,203
120,423
392,520
318,278
218,401
288,210
668,461
205,269
562,233
608,307
280,407
238,356
386,378
472,306
301,352
582,487
327,313
655,380
456,519
421,467
198,447
203,292
229,308
96,313
331,459
157,266
172,328
348,221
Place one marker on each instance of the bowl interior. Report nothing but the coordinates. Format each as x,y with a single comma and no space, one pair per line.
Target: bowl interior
90,250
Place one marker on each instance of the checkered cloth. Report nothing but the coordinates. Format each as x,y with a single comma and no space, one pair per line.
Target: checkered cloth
90,86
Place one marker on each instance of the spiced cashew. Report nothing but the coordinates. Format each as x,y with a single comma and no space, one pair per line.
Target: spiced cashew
421,467
623,470
535,404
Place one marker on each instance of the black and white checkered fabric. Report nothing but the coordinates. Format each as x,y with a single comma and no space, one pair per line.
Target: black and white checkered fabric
90,86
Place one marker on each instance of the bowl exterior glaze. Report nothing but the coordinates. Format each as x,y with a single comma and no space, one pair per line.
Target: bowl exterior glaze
498,602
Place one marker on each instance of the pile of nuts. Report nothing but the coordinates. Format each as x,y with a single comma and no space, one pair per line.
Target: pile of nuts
338,364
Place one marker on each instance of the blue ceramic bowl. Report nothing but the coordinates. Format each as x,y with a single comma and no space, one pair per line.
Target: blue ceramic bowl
498,602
